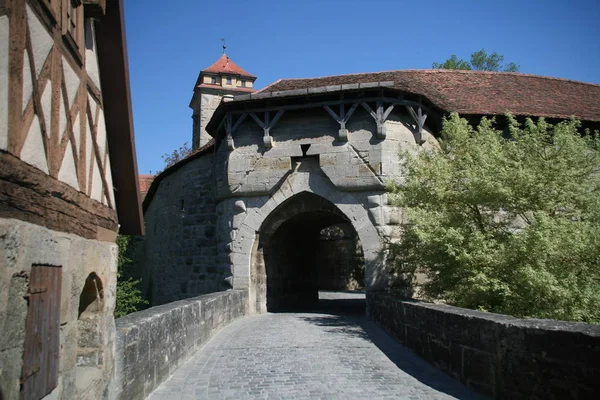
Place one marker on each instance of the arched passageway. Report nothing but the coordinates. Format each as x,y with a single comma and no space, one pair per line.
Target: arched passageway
305,245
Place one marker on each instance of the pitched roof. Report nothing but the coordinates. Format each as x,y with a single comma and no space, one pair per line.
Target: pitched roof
145,181
114,76
477,92
225,65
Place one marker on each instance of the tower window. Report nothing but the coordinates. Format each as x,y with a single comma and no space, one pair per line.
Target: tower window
229,81
213,80
243,83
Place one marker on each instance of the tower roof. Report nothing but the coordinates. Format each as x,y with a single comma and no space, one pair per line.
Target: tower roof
225,65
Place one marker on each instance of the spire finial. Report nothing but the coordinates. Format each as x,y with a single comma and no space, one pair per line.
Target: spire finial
224,45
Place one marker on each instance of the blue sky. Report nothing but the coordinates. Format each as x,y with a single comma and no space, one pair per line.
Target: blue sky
170,42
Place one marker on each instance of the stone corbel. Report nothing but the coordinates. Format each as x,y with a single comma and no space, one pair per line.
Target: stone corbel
266,125
230,127
342,119
419,118
380,116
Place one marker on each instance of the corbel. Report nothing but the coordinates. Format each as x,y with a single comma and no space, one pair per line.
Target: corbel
342,119
380,116
266,125
230,127
419,118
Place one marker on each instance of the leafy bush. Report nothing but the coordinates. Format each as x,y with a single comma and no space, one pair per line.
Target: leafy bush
505,225
129,296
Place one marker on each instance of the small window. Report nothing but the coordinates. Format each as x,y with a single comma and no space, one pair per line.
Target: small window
229,81
72,24
243,83
213,80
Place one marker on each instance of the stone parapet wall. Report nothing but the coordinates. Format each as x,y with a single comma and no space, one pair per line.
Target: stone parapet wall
152,343
498,355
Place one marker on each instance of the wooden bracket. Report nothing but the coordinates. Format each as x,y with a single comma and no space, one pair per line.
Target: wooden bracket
419,118
230,127
266,125
379,115
342,118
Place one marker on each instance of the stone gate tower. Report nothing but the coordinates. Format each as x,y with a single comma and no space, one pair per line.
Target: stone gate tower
222,78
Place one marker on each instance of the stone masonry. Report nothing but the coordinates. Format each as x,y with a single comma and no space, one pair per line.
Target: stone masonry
210,218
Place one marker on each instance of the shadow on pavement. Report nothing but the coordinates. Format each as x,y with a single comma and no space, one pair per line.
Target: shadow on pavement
346,316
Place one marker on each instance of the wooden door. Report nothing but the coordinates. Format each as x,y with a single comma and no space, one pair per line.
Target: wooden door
40,357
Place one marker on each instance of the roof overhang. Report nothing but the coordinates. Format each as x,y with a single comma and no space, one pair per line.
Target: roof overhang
114,77
316,97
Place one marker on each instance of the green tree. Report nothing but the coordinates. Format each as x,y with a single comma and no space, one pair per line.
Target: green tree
129,296
480,61
505,225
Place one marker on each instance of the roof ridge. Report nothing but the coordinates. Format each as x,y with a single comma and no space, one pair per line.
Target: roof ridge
442,71
272,84
226,65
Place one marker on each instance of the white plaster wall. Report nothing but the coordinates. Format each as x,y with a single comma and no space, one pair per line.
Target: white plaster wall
68,172
96,182
4,35
33,150
41,41
71,81
91,59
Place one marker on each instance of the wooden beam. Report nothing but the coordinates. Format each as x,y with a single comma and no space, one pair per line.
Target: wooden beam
276,118
257,120
333,114
239,121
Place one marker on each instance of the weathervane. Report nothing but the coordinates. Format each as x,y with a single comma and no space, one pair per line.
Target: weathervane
224,45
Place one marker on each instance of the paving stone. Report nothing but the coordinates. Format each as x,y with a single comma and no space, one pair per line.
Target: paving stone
307,355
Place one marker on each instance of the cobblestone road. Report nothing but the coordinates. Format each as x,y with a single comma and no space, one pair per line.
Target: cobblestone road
323,355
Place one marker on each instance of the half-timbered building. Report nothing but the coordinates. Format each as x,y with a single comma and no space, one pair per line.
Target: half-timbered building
68,185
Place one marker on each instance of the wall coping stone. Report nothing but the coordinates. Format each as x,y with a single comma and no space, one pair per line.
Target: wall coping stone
152,343
494,354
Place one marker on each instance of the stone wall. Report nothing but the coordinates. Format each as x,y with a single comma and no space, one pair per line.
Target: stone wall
494,354
204,219
85,328
180,247
152,343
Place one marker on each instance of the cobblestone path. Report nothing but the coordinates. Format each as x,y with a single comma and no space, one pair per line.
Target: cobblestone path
322,355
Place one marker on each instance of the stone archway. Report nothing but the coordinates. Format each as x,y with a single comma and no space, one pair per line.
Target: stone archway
247,227
287,262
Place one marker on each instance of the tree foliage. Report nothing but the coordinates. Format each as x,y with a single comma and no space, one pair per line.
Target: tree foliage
480,61
177,155
129,296
505,221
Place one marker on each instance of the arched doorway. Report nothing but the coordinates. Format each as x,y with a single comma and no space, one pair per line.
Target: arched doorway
295,255
90,337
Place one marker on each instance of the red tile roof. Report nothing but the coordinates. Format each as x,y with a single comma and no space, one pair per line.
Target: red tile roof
145,181
477,92
224,65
